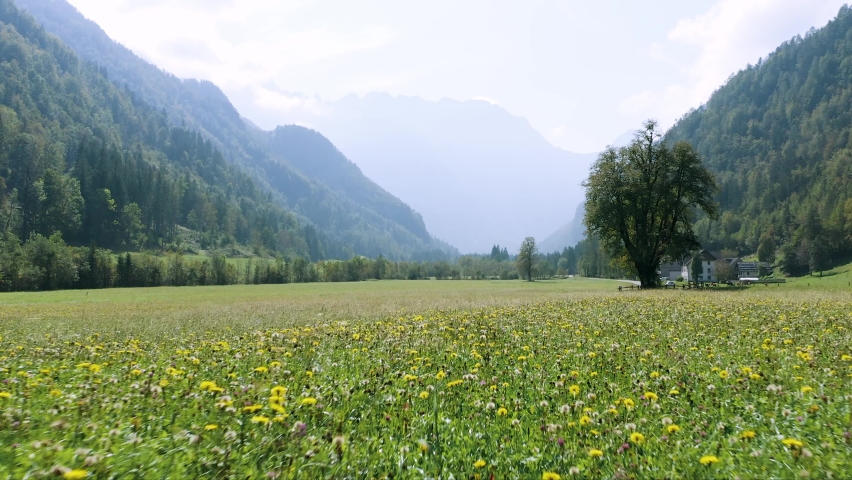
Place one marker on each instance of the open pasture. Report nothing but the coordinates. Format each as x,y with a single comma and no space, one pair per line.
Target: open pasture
426,380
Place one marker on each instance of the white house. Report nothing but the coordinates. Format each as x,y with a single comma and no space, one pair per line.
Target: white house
708,264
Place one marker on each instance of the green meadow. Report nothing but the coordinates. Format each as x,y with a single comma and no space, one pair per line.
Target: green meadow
428,379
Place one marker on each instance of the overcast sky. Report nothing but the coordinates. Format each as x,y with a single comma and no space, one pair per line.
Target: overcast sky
582,73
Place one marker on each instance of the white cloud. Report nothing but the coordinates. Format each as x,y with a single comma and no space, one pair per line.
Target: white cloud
580,72
724,39
486,99
286,103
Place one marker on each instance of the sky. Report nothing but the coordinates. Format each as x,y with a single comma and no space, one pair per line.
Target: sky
581,72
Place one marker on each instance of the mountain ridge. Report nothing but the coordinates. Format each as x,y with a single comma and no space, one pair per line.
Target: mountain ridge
450,160
202,106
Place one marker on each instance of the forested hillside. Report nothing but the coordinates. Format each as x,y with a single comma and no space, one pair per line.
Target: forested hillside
85,162
387,227
778,135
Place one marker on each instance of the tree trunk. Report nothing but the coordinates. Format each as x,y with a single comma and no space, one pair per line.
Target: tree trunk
648,277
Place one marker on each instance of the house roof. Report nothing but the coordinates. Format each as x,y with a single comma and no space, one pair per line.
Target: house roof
707,256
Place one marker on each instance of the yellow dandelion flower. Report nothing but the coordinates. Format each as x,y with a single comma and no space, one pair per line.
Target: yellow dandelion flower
308,401
637,438
440,375
585,420
708,460
207,385
723,374
629,403
260,419
574,389
252,408
748,434
655,374
75,474
595,453
550,476
55,393
479,463
672,428
792,443
261,370
806,389
454,383
5,395
211,426
754,376
674,391
502,412
424,395
651,396
278,391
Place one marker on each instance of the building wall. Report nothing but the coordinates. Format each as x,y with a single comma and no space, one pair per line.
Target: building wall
708,275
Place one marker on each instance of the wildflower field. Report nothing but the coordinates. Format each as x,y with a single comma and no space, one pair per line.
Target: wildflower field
529,385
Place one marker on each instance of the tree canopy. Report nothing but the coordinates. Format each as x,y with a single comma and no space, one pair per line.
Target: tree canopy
641,200
526,258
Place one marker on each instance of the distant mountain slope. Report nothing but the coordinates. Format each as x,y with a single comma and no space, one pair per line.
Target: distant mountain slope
201,106
314,155
568,235
83,157
476,173
779,136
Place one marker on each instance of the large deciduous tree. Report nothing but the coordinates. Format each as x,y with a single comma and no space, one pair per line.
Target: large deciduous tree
641,199
526,258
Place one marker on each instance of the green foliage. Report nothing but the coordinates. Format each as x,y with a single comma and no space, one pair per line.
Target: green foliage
298,167
777,137
81,157
641,199
526,261
697,267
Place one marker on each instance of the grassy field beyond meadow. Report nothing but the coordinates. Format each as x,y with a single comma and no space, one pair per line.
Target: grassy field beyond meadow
428,379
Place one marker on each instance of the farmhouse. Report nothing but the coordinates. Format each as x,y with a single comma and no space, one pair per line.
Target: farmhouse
709,270
716,267
673,270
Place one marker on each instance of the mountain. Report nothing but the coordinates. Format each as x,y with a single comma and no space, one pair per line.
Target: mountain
568,235
476,173
89,161
381,225
778,135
